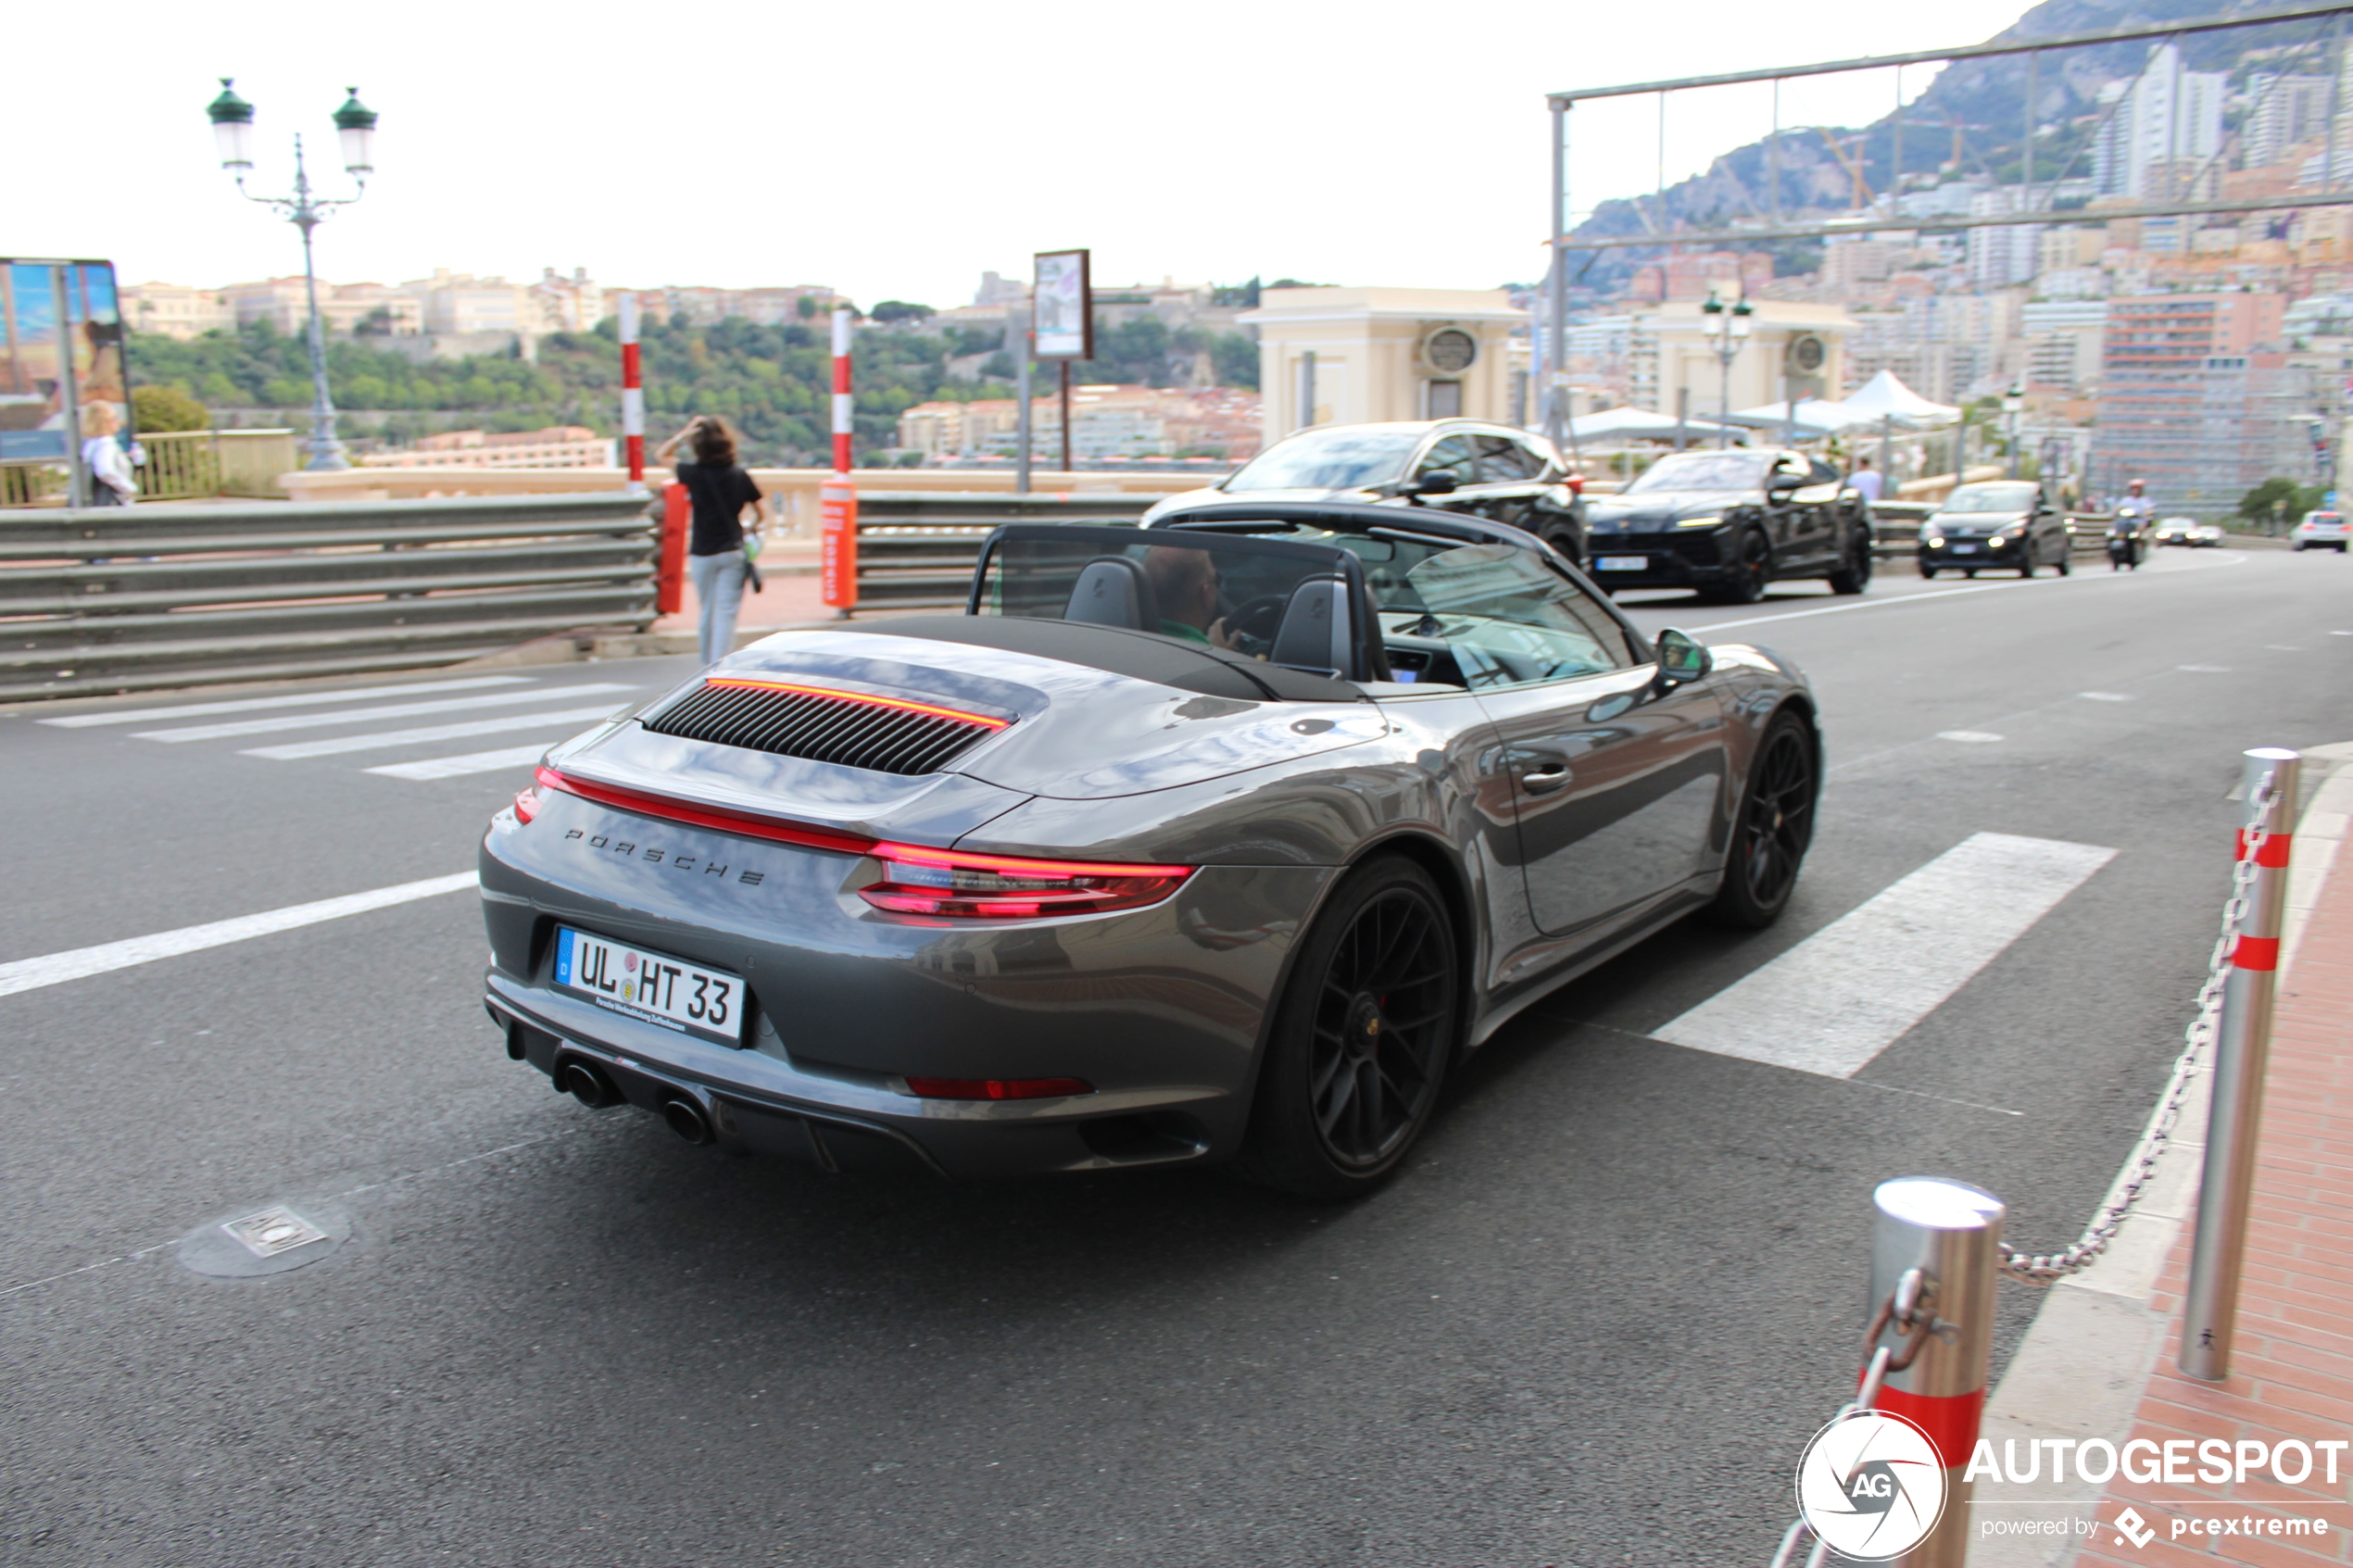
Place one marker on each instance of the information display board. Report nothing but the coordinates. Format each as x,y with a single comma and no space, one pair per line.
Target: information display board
1064,300
46,305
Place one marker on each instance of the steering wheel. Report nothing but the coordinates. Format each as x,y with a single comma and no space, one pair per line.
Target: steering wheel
1253,622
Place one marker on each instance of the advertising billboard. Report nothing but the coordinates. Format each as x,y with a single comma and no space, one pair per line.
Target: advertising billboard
48,307
1063,315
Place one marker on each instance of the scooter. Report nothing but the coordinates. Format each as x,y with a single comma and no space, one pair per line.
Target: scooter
2123,549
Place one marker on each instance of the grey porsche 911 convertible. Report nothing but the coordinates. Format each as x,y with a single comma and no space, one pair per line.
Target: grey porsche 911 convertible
1219,840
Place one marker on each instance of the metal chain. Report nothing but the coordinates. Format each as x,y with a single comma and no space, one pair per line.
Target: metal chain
1864,1398
2044,1269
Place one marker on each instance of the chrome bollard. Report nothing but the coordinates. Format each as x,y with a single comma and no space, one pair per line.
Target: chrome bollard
1951,1233
2242,1055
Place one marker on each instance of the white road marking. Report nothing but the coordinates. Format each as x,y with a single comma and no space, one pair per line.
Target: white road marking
2205,668
2226,558
363,715
472,762
2106,697
1974,737
55,969
295,749
306,699
1840,997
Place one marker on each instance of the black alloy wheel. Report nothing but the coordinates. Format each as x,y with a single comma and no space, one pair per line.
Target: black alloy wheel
1362,1038
1853,573
2026,556
1774,827
1752,569
1927,572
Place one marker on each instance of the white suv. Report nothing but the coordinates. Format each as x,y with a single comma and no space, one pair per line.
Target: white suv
2321,531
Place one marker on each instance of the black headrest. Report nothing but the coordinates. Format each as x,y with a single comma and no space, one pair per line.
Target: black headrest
1114,591
1316,632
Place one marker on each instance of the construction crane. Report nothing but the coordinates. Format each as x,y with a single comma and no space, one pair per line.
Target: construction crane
1854,167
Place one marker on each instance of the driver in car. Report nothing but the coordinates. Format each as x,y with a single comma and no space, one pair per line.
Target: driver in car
1185,585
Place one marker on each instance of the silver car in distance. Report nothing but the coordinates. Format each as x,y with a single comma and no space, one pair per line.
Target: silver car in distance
1221,840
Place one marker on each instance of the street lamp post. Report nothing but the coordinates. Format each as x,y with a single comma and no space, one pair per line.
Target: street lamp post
356,128
2013,405
1726,327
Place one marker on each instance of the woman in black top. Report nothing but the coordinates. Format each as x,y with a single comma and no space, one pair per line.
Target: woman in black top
720,490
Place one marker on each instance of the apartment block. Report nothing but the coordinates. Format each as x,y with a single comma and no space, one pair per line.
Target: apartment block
2196,398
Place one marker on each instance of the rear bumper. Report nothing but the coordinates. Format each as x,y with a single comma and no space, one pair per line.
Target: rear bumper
1160,1009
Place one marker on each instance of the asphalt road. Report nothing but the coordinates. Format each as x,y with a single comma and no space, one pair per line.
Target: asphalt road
1594,1323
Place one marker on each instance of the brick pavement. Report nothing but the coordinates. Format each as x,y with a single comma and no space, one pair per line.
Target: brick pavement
2292,1374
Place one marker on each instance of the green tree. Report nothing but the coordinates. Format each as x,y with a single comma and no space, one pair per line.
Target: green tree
2260,504
155,409
900,310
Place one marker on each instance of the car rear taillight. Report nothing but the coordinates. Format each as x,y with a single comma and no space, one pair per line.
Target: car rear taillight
996,1088
527,804
953,884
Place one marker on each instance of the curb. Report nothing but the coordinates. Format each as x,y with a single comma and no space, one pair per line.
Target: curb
2087,1358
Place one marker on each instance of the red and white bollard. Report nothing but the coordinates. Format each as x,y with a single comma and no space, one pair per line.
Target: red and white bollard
842,427
633,397
1950,1233
2242,1056
837,499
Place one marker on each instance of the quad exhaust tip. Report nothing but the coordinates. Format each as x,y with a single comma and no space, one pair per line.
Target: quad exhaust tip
687,1119
587,1084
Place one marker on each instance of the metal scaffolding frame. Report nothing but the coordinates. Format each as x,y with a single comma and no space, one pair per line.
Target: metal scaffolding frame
1557,273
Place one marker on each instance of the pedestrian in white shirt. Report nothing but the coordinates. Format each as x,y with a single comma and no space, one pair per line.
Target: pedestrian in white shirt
1866,481
111,484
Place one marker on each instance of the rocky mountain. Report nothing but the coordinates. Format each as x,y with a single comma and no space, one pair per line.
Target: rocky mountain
1972,115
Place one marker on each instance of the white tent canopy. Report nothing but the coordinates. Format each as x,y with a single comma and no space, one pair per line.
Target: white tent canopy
1812,416
1885,397
1624,424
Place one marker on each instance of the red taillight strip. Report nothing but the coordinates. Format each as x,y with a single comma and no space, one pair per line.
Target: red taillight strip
747,684
924,854
708,816
844,843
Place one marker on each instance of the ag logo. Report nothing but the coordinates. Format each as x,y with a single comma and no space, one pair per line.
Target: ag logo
1871,1486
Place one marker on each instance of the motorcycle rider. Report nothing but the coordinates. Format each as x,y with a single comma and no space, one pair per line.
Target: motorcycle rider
2126,528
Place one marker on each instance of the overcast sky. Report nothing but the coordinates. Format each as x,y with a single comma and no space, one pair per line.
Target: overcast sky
897,151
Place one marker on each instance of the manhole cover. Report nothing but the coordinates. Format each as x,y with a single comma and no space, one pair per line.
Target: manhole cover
264,1241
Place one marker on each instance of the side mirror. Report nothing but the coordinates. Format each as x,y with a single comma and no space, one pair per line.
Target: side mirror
1682,658
1439,481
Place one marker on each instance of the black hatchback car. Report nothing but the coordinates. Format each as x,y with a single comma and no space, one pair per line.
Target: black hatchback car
1996,525
1471,465
1729,523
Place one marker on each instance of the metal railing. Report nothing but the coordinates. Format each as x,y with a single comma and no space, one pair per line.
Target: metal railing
109,599
916,550
183,465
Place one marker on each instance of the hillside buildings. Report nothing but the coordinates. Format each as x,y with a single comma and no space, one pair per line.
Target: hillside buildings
1106,423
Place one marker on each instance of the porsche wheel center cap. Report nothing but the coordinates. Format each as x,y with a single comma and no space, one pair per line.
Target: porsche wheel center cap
1364,1027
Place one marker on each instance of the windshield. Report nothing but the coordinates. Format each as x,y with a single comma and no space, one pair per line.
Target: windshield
1226,592
1705,470
1329,459
1991,498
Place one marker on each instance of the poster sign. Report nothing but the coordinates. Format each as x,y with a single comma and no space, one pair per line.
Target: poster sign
47,307
1064,306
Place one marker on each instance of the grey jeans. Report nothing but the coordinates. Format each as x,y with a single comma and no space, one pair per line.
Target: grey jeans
719,593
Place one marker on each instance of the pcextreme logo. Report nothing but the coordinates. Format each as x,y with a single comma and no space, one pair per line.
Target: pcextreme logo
1870,1486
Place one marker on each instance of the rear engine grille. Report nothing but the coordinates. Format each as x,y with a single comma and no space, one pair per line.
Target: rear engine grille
852,729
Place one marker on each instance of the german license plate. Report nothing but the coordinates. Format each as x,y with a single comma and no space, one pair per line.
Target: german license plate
1623,563
654,987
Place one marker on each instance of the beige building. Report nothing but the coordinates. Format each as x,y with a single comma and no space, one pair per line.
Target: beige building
1373,355
176,312
558,446
284,303
1792,350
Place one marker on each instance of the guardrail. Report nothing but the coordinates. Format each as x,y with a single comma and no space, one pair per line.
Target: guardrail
110,600
916,549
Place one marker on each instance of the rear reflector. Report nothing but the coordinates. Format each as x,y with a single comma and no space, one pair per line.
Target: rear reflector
952,885
997,1089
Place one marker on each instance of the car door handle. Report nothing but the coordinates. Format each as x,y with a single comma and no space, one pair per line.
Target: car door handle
1542,775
